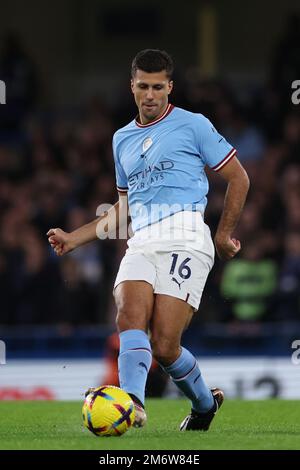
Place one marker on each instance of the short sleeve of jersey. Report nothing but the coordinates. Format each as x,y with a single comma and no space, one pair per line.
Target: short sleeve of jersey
121,178
215,151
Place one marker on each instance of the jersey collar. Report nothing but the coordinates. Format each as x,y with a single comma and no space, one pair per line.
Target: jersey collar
169,108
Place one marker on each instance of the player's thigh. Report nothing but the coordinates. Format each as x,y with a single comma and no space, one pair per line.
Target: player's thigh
134,301
171,316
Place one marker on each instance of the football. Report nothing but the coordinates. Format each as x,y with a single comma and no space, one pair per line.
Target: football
108,411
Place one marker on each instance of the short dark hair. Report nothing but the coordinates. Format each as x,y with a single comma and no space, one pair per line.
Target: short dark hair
151,61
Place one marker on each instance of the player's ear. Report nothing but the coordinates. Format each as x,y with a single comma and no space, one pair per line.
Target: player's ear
171,83
132,85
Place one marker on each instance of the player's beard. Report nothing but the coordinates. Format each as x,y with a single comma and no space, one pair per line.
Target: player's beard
152,113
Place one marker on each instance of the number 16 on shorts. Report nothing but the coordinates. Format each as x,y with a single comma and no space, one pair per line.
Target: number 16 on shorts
182,269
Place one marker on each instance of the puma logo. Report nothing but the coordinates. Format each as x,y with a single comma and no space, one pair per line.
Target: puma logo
178,283
142,364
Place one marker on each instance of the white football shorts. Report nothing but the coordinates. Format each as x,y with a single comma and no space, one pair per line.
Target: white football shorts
174,255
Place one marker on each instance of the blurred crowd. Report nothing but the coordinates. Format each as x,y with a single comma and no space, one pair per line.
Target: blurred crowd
56,168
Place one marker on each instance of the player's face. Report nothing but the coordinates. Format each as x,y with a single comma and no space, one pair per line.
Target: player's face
151,92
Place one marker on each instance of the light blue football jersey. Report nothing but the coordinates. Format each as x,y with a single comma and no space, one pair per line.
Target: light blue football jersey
161,164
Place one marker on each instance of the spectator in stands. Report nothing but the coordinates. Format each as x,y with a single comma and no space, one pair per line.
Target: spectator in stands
289,280
249,283
18,70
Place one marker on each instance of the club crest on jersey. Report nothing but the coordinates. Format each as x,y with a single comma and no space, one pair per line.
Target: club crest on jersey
147,144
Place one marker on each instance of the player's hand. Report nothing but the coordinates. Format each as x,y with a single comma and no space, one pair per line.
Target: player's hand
227,247
60,241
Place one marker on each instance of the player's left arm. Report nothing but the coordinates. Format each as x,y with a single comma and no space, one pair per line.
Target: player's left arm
237,189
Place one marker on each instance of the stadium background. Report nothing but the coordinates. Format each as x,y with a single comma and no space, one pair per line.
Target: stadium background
66,68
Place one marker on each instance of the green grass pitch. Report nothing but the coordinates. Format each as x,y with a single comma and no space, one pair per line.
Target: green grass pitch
273,424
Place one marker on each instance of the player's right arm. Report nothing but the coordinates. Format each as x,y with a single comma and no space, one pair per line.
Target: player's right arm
63,242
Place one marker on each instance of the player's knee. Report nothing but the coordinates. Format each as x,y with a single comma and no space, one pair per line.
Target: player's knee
123,319
164,351
129,318
125,313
